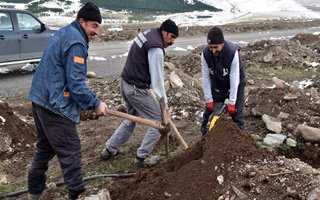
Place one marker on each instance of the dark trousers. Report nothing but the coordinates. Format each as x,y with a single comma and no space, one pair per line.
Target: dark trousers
55,135
219,97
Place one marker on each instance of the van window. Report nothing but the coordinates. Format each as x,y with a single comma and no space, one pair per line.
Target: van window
5,22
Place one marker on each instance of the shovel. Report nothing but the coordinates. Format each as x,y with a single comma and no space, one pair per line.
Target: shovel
146,122
167,120
219,110
136,119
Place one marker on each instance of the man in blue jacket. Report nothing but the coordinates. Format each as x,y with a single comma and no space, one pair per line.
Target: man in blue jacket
223,77
58,92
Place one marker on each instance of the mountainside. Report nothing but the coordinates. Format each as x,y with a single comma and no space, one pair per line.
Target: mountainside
167,6
148,6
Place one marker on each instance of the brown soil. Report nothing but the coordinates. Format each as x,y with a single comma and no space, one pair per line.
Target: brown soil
193,174
250,170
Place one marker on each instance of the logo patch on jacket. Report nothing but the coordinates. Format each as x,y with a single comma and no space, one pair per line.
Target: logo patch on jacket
79,60
225,72
66,94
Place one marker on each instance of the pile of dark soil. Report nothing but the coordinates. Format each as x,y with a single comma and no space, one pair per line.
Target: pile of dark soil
19,134
17,142
193,174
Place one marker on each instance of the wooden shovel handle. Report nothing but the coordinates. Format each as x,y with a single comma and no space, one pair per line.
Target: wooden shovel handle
175,130
135,119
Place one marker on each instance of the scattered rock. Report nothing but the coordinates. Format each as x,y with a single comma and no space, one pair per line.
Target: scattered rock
283,115
250,81
295,87
169,66
255,112
291,142
290,97
268,57
313,92
167,86
175,80
279,83
273,124
240,194
314,194
310,134
274,140
102,195
3,179
91,74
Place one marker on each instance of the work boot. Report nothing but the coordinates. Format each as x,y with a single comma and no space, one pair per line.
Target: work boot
34,196
74,195
106,154
204,127
146,162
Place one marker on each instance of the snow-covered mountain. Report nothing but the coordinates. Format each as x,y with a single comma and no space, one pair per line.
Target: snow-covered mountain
246,10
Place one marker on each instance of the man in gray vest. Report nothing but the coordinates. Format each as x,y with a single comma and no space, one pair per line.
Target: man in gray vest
223,77
142,83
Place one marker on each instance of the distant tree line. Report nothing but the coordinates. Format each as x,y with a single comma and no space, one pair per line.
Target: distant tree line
158,6
136,6
17,1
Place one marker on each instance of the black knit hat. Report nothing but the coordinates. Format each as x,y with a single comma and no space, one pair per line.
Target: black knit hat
170,26
215,36
90,12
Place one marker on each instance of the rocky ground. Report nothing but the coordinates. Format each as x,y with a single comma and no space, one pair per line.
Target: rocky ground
282,102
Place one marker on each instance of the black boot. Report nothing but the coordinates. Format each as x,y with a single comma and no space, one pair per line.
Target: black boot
204,125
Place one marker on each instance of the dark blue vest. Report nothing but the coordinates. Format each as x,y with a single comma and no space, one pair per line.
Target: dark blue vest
136,69
220,66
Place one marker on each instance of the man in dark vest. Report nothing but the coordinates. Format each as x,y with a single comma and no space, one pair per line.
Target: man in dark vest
223,77
142,83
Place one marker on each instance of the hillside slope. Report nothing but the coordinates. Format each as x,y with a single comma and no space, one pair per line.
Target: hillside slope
158,6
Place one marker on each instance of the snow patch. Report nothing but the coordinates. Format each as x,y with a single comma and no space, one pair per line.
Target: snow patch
4,70
244,10
189,47
179,49
97,58
305,83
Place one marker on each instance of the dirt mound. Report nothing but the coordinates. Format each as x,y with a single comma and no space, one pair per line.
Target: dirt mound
279,54
193,174
17,141
189,64
16,135
301,110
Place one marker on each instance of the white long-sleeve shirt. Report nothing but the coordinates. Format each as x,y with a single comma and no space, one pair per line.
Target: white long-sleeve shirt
156,69
234,79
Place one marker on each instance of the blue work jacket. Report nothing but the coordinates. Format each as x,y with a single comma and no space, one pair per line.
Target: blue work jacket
59,83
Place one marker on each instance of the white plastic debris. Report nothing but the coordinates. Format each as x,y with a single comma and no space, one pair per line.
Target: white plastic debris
220,179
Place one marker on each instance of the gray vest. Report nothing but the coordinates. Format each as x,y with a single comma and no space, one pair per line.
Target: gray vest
220,66
136,69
